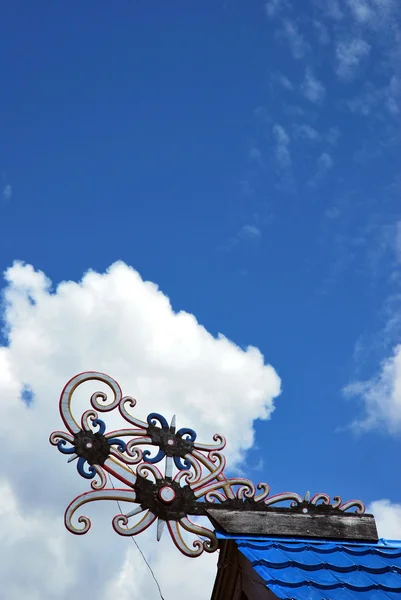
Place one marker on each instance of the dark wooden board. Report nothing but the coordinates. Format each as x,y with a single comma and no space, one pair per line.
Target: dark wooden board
236,578
344,527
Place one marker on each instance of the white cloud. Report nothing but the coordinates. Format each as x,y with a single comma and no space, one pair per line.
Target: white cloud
116,323
250,232
372,99
388,518
298,46
397,241
349,56
255,155
261,113
133,581
246,187
332,213
372,13
306,132
325,162
322,33
366,102
333,136
392,95
381,396
312,88
39,539
273,7
294,111
283,155
7,192
259,466
283,81
331,8
286,83
361,9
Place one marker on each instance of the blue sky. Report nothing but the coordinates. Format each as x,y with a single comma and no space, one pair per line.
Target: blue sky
245,157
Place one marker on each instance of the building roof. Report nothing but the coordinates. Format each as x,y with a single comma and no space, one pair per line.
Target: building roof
309,569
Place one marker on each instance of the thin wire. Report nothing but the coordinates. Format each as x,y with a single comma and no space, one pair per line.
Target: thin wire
137,545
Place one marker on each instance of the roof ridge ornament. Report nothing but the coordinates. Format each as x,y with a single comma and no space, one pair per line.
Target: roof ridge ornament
193,478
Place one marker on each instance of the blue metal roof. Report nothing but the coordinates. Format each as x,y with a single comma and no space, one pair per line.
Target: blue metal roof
308,569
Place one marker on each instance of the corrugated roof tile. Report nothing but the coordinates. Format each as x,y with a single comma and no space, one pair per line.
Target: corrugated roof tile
325,570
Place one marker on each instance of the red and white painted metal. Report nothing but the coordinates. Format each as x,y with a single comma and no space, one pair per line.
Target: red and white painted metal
126,461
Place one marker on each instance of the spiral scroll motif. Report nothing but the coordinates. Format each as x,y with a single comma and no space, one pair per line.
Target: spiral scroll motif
193,472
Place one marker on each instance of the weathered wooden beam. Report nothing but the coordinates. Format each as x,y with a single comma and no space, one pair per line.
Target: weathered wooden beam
280,524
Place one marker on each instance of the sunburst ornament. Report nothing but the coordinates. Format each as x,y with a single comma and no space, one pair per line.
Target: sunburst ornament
192,480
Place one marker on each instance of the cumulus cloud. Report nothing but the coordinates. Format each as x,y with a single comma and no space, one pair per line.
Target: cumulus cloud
34,540
132,580
381,396
117,323
388,518
349,55
312,88
283,155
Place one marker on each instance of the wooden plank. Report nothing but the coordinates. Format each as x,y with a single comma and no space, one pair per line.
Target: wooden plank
247,522
253,586
236,579
227,572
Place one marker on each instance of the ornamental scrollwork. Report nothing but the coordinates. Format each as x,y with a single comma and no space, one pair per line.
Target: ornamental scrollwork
164,472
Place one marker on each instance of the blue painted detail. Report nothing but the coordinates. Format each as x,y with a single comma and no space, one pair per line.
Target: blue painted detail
121,446
81,470
61,444
185,431
182,466
102,425
315,569
155,459
153,418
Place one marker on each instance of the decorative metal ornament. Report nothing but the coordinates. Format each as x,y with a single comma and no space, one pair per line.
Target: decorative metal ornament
193,478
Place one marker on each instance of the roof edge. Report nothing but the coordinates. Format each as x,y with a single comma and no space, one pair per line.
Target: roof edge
381,543
295,524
